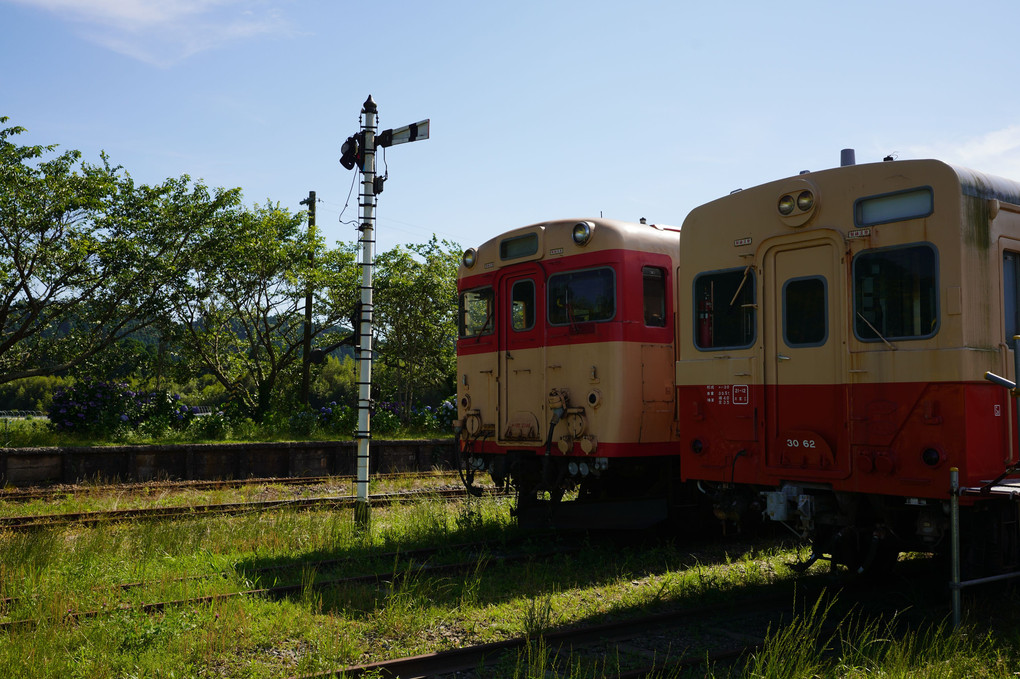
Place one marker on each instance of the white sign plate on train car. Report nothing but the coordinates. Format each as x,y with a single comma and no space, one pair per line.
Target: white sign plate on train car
858,233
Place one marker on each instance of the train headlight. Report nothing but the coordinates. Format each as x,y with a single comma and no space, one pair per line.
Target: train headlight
798,202
469,258
582,232
786,205
805,201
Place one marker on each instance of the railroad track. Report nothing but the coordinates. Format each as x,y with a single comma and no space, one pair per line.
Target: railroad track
684,638
656,644
318,566
28,494
37,521
412,562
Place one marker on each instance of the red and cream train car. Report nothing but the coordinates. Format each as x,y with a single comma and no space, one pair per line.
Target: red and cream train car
812,349
841,323
566,356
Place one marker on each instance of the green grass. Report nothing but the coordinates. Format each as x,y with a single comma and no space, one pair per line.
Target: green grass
413,610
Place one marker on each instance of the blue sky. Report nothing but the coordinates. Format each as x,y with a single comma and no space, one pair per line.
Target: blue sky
539,110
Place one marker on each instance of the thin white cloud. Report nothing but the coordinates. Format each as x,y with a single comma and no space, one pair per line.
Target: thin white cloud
164,32
996,152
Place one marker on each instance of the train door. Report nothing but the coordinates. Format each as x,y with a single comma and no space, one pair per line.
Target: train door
522,356
804,360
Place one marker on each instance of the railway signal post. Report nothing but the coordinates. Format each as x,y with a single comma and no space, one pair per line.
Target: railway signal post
359,150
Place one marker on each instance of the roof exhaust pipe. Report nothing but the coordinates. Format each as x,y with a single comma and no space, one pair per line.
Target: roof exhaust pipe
847,157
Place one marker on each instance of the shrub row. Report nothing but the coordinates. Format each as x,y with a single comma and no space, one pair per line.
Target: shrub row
113,411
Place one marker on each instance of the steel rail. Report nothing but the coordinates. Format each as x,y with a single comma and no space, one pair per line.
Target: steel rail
472,658
36,521
34,493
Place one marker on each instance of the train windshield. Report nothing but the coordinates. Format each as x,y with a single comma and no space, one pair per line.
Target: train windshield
476,311
724,309
896,293
582,296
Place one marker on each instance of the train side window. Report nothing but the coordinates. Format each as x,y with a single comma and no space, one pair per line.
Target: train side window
724,309
522,305
654,284
582,296
1011,291
476,311
805,312
896,293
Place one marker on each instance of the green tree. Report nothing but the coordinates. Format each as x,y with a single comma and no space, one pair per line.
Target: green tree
241,311
87,256
416,305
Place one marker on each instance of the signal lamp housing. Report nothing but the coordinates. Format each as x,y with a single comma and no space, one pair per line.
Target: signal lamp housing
470,257
352,152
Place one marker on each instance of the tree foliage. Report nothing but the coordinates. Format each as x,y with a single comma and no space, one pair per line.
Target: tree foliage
416,303
241,310
87,256
105,278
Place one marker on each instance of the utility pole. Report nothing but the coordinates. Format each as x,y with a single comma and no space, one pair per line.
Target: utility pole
306,366
359,150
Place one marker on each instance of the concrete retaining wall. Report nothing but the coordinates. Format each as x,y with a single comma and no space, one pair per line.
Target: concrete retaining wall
34,466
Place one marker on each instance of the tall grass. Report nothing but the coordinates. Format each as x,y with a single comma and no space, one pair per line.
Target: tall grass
819,642
412,609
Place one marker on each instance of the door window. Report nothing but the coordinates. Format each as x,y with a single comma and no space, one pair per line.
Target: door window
805,312
522,305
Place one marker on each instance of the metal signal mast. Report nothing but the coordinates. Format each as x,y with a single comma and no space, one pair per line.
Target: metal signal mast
359,150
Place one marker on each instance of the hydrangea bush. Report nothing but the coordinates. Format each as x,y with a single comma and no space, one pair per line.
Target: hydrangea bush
105,408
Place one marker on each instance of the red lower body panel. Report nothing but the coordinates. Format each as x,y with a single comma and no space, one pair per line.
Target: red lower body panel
892,439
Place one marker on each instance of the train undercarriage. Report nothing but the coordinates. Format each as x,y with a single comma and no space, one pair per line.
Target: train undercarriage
862,533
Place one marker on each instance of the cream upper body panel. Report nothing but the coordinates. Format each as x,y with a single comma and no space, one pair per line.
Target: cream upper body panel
857,209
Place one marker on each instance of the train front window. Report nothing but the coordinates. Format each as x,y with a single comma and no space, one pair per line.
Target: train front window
476,311
522,305
654,283
724,309
582,296
896,293
805,312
